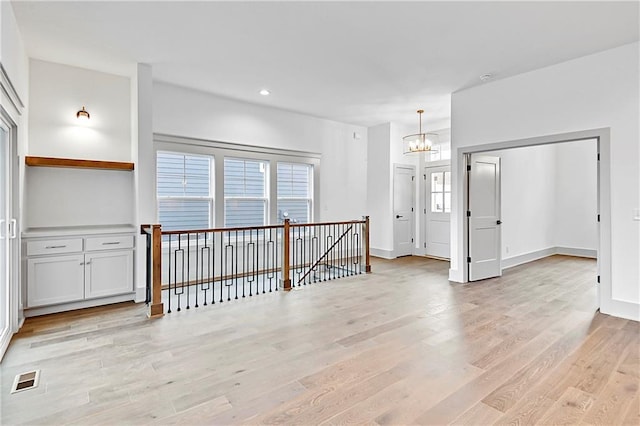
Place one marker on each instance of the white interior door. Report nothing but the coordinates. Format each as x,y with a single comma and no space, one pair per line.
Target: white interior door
403,194
438,211
484,218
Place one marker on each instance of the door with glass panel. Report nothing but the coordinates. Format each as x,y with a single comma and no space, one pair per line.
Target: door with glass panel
438,211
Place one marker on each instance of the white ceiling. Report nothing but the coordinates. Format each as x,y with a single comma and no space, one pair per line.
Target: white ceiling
356,62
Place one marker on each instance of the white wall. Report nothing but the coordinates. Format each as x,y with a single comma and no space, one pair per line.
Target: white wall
73,197
57,92
384,151
12,54
188,113
595,91
528,182
78,197
576,203
549,200
379,202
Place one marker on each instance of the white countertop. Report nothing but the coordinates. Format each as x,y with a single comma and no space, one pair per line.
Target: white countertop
68,231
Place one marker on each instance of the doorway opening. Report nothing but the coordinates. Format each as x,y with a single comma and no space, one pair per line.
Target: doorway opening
598,138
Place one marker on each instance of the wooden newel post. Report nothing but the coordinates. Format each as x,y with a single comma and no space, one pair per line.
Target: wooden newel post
367,257
156,308
286,279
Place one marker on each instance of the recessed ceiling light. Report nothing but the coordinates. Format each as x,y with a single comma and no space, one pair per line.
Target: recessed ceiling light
486,77
265,92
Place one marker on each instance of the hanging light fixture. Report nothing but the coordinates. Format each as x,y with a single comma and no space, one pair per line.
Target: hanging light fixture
420,142
83,114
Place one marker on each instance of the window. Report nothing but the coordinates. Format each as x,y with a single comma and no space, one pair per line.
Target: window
245,192
185,199
441,192
294,192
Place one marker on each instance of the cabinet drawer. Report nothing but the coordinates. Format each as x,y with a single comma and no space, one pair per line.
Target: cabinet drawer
109,242
35,248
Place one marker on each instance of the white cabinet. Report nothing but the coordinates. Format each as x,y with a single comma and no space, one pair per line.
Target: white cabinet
108,273
68,271
55,279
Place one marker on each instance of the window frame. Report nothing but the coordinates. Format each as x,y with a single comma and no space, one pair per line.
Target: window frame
310,201
219,150
210,198
266,191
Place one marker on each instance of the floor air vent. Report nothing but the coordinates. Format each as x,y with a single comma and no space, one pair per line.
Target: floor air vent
26,381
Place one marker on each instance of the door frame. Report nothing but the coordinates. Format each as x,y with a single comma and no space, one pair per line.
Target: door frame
13,258
603,139
413,201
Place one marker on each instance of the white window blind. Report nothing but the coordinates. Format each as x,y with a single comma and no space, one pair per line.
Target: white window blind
245,189
294,192
185,199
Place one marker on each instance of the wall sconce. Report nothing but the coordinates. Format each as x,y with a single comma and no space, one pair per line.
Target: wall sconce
83,114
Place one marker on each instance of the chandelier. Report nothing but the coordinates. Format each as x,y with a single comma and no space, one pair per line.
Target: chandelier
420,142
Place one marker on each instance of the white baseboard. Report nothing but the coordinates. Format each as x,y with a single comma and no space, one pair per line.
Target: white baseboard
44,310
4,343
141,294
578,252
621,309
521,259
385,254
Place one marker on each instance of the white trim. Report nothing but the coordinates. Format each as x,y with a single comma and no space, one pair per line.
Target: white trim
10,91
4,343
384,254
577,252
160,137
603,135
32,312
141,294
521,259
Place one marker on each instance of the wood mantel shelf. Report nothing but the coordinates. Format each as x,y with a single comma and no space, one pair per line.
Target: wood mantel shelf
75,163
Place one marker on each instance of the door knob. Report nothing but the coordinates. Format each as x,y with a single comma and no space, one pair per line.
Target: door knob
398,216
498,222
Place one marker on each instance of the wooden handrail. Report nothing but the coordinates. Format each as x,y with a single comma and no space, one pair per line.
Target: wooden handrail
346,222
202,231
251,228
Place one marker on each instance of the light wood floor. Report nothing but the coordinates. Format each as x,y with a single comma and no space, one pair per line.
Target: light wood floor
399,346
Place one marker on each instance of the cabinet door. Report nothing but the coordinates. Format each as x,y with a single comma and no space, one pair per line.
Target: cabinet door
108,273
55,279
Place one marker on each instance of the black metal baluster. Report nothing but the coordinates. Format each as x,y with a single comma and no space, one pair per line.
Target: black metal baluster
175,284
235,264
275,265
169,277
196,253
188,269
222,260
247,271
244,261
212,266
